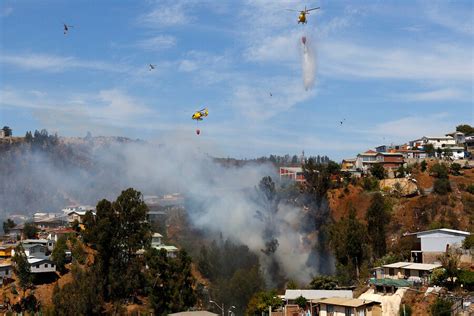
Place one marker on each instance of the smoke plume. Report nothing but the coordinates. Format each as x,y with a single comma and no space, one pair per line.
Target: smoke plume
220,199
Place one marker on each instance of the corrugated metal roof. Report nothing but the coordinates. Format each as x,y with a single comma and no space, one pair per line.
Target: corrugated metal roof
445,230
353,302
413,266
317,294
396,265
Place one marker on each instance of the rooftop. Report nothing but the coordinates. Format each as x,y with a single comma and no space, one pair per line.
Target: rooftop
441,230
353,302
317,294
413,266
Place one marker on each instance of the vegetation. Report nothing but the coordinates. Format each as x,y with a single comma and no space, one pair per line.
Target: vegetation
466,129
58,255
441,184
441,307
301,301
377,217
429,149
261,302
470,188
423,166
21,268
370,183
9,224
323,282
30,231
378,171
348,238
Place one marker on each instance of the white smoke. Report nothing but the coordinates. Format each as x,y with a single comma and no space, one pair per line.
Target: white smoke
221,199
308,63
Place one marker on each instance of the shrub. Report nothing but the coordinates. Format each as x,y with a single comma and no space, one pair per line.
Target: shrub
442,186
455,168
370,183
423,166
441,307
470,188
439,171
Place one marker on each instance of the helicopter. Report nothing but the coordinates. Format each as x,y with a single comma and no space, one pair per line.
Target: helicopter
198,115
152,67
302,17
66,28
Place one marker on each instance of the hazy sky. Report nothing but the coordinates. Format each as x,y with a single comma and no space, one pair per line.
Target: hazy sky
394,70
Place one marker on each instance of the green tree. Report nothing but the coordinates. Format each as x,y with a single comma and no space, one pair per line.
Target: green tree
447,153
58,255
301,301
405,310
9,224
429,150
261,301
348,237
82,296
439,171
28,137
377,217
455,169
465,128
439,152
441,307
118,232
441,186
169,282
423,165
450,262
21,268
401,172
377,170
30,231
323,282
468,242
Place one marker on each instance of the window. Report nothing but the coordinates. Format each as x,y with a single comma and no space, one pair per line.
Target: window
348,311
407,273
46,265
361,312
330,310
391,271
37,266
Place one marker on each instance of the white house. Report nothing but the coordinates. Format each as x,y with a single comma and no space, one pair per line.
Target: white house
49,244
365,160
38,265
438,141
457,152
406,270
459,137
434,242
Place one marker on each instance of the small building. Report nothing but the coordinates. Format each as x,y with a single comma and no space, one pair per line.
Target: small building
48,243
6,271
348,164
459,137
338,306
415,272
438,141
292,174
435,242
412,153
364,161
292,295
38,265
51,222
6,250
390,160
33,250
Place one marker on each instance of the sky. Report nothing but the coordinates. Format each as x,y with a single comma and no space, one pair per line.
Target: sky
392,71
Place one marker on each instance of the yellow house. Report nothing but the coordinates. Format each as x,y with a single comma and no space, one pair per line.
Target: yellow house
6,251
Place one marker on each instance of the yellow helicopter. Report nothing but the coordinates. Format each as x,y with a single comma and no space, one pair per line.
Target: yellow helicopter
302,17
198,115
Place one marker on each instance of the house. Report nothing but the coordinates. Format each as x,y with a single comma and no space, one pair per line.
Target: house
6,250
33,250
338,306
457,152
411,271
433,243
412,153
365,160
77,216
17,231
55,234
48,243
5,271
348,164
157,243
292,174
438,142
469,145
38,265
291,295
2,133
459,137
390,160
194,313
50,222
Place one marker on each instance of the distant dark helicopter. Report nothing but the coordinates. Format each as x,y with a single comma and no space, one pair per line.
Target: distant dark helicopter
152,67
271,94
342,121
66,28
